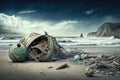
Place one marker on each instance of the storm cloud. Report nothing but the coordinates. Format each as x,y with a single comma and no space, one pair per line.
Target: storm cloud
57,17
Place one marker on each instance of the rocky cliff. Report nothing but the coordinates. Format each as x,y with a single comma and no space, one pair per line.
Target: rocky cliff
106,30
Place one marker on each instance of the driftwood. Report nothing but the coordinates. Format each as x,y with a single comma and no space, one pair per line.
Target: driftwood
108,61
105,62
62,66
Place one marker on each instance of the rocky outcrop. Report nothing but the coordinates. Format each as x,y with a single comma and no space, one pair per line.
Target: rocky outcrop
106,30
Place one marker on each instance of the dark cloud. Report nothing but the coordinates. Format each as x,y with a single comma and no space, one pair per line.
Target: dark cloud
89,14
61,9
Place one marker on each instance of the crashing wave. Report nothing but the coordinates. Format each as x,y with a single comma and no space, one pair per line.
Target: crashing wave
91,41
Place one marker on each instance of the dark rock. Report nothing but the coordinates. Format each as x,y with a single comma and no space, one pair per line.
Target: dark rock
106,30
81,35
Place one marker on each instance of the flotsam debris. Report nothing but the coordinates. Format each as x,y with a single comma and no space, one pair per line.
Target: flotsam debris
106,64
62,66
38,48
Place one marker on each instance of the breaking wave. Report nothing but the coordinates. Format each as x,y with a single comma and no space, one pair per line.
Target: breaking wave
87,41
90,41
19,24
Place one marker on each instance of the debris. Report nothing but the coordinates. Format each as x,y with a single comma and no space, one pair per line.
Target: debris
76,58
90,73
84,55
50,67
45,33
62,66
42,47
18,53
54,59
81,57
106,64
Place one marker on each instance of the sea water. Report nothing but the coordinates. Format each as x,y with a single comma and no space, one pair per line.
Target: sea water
92,42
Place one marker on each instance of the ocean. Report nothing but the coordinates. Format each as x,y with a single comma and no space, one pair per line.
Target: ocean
90,41
85,43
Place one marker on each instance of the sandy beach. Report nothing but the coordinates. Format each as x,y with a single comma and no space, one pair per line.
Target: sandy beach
41,71
59,40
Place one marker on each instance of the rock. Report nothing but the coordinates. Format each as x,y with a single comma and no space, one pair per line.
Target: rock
76,58
90,73
106,30
81,35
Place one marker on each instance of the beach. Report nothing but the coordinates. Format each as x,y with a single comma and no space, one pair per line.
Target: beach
41,71
59,40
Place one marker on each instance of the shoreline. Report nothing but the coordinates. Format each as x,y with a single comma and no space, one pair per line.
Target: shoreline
40,71
103,49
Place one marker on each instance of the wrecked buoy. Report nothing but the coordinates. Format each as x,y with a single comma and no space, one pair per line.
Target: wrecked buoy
39,48
18,53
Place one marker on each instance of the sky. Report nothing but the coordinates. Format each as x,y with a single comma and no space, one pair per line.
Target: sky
57,17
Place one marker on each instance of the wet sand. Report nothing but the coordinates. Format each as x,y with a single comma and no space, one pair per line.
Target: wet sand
40,71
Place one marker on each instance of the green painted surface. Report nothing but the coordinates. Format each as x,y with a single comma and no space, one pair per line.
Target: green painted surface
18,53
